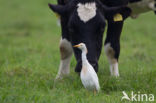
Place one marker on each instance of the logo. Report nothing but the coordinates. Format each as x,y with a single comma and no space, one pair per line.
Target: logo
137,97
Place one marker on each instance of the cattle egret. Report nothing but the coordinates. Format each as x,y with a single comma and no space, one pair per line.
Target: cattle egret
88,75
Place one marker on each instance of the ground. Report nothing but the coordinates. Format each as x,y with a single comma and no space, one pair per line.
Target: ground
29,58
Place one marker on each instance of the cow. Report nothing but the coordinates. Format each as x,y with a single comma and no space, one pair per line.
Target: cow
112,42
83,21
79,26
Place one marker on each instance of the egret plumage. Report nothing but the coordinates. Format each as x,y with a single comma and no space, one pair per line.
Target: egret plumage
88,75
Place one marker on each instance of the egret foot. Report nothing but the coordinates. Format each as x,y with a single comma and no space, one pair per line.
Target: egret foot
95,92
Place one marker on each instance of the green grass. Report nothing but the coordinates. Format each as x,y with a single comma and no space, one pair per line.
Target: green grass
29,58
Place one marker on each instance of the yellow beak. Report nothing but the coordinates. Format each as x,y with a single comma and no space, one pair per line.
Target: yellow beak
76,46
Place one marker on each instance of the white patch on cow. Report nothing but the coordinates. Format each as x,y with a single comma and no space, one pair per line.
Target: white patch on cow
141,7
113,61
86,11
114,69
64,68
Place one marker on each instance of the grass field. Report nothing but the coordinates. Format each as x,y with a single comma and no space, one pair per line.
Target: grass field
29,58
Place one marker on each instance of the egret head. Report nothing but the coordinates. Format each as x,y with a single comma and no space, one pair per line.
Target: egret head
82,47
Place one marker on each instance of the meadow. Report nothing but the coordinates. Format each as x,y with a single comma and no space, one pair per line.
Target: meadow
29,58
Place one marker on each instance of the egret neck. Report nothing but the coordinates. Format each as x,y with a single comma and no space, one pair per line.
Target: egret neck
84,57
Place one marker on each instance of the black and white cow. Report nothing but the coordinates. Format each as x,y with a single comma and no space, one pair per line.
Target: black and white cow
84,21
112,43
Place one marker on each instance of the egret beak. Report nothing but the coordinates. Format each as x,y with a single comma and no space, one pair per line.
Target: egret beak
76,46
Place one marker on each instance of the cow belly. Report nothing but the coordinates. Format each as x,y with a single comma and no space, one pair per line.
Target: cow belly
141,7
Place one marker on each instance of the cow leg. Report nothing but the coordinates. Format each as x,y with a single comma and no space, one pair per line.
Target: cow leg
66,53
112,46
110,52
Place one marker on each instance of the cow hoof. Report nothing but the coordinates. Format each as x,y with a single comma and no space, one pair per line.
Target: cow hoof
58,77
115,75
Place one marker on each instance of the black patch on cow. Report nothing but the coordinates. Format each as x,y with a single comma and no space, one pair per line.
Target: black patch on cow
113,36
133,1
112,3
62,2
